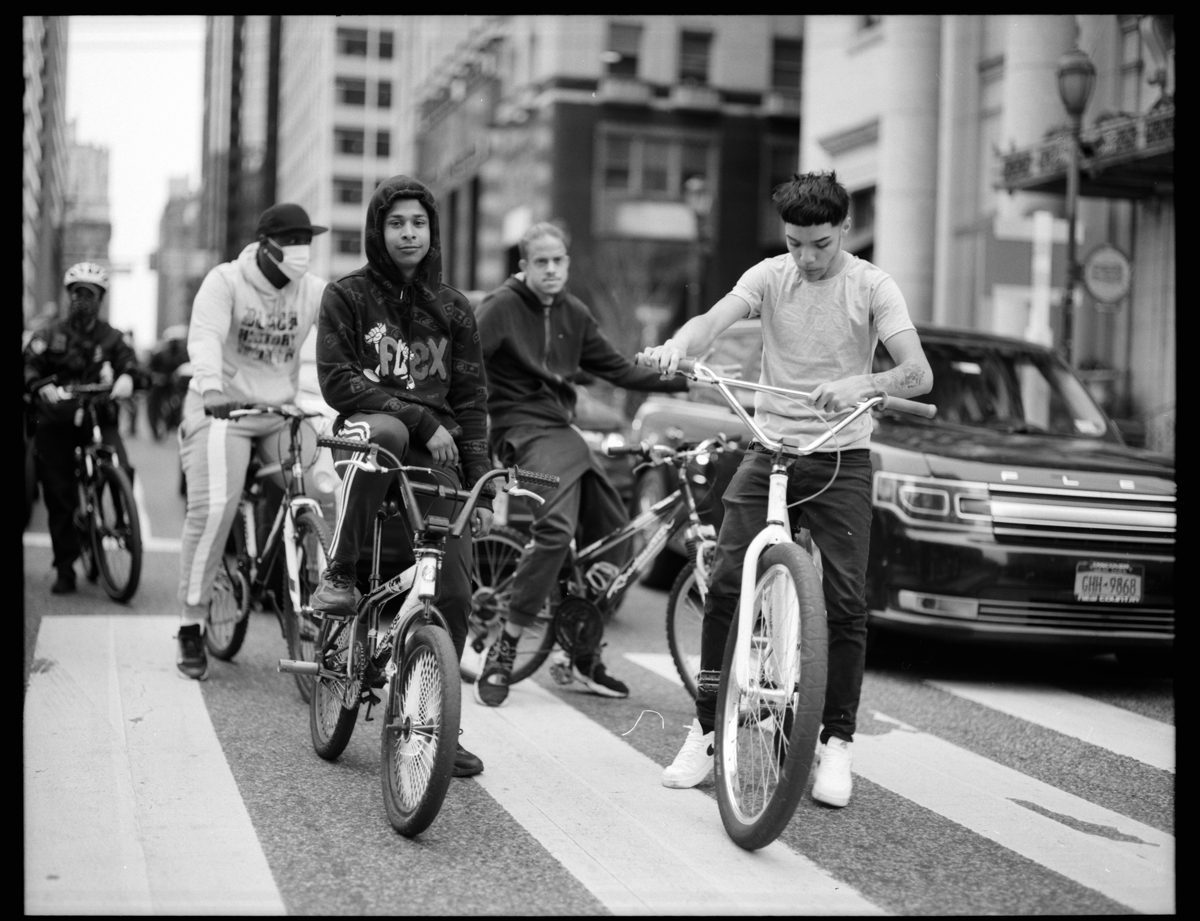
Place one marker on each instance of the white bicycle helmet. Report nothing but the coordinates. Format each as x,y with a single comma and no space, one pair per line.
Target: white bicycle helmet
86,273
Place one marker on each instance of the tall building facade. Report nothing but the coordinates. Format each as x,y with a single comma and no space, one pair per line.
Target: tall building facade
953,128
181,260
87,224
44,162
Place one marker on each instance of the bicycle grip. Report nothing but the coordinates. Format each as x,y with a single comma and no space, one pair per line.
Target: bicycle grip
345,444
928,410
638,450
531,477
685,366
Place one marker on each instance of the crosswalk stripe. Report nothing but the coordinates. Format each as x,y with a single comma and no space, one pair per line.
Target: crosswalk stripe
121,755
1150,741
1126,860
595,803
41,540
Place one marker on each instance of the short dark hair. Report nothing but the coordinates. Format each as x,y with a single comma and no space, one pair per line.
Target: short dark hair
542,229
808,199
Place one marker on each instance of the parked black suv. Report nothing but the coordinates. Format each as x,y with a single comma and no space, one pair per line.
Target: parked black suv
1018,514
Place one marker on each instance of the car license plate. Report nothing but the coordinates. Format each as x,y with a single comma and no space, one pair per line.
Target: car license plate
1108,583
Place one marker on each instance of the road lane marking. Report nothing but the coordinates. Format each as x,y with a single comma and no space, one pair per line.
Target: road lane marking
41,540
1123,859
597,805
130,806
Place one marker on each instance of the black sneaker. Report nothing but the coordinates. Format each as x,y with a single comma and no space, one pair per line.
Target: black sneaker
336,593
64,583
191,661
491,687
589,671
466,764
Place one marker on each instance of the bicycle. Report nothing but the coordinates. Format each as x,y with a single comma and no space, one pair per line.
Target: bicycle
412,658
249,575
590,588
771,685
106,512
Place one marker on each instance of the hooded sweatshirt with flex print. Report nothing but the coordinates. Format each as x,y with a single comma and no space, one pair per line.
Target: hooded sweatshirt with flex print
407,349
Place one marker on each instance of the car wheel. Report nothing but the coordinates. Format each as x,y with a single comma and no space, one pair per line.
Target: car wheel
650,488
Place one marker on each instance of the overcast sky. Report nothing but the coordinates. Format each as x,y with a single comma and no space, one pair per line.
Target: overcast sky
135,86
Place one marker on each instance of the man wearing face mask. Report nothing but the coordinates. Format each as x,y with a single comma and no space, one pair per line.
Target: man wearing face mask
249,321
73,350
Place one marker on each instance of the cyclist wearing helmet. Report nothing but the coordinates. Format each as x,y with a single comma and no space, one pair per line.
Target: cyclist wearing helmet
249,321
73,350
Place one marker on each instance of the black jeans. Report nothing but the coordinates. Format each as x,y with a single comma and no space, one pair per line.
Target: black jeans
840,522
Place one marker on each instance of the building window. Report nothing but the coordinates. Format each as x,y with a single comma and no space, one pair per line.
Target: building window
861,239
352,42
786,66
655,167
346,242
350,91
694,52
383,143
385,45
624,47
782,160
384,94
347,191
618,153
349,140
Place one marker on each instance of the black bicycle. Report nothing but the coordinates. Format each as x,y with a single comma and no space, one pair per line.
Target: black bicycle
409,656
106,512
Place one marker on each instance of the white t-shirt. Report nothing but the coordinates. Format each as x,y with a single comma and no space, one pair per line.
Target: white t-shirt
815,332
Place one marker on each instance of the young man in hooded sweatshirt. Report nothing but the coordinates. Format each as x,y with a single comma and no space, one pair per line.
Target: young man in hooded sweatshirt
398,358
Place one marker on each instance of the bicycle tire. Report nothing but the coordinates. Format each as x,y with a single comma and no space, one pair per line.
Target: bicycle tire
333,706
228,611
300,626
420,730
685,615
494,561
116,533
765,744
87,543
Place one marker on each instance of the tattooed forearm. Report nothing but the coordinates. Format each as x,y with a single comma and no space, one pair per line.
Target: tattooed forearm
907,379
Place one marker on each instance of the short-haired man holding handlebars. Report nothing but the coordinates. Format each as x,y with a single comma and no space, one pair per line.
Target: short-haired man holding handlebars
823,310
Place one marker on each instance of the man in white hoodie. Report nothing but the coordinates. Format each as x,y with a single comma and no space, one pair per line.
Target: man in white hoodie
249,320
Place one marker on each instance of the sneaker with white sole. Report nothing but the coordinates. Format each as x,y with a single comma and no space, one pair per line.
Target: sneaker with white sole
589,671
694,761
491,687
833,779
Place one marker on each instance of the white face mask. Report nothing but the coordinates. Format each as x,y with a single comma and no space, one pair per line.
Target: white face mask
295,260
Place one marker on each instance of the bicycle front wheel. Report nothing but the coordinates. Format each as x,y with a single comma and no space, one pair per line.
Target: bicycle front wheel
420,730
116,533
495,558
333,706
769,717
685,616
300,625
229,603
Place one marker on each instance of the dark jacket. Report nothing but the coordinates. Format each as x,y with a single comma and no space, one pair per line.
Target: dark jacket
533,351
75,357
410,350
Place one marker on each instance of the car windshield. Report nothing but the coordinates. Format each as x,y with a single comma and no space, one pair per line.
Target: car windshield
1008,389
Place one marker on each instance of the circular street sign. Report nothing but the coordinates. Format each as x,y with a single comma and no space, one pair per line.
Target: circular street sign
1107,274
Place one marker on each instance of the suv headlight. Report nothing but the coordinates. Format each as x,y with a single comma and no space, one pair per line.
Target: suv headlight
951,503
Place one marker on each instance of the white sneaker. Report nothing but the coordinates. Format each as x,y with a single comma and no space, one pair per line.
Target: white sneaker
833,780
694,761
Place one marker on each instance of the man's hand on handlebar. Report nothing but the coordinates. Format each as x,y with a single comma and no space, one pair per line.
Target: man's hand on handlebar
122,387
665,357
481,522
217,405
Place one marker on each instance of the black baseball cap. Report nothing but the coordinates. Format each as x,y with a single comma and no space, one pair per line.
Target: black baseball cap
284,217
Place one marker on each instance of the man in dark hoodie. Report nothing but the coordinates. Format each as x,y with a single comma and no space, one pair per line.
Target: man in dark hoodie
398,358
536,338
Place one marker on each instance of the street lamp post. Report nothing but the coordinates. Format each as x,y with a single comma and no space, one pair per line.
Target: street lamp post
1076,78
699,198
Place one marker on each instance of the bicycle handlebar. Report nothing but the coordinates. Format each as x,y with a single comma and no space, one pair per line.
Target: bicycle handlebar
698,371
269,409
515,477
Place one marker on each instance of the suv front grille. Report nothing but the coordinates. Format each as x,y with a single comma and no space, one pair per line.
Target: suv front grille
1030,514
1105,620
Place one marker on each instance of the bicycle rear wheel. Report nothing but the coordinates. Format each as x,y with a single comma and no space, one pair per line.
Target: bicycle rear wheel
420,730
495,559
685,615
116,533
768,719
333,706
300,625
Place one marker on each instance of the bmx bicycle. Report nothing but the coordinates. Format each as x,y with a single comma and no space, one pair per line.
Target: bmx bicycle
411,657
590,588
771,686
252,570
